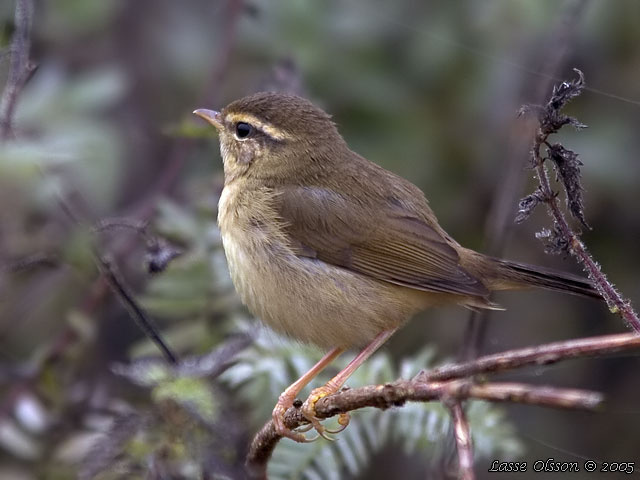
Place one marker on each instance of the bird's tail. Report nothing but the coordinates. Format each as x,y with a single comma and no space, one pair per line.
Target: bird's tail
522,275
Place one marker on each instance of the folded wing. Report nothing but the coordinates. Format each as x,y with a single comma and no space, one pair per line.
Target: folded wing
393,245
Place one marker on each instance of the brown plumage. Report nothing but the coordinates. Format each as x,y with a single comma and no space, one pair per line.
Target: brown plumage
329,248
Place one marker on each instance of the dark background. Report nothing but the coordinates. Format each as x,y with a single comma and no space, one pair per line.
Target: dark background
429,90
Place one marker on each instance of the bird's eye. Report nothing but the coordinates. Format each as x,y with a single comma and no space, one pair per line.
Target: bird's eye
243,130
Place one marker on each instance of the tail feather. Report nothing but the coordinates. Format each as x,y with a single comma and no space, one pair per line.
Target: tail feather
523,275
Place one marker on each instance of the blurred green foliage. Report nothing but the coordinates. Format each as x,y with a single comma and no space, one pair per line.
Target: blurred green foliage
426,89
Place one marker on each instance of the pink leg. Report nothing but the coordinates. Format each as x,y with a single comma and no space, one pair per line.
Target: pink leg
289,395
336,383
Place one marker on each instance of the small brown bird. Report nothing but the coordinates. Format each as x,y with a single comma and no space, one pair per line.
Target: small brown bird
328,248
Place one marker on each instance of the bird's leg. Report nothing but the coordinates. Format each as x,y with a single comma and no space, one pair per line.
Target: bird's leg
289,395
336,383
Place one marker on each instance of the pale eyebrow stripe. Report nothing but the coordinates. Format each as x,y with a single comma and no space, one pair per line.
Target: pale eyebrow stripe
267,128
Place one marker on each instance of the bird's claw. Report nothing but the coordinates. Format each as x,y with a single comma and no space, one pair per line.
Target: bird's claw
308,411
284,403
343,422
304,428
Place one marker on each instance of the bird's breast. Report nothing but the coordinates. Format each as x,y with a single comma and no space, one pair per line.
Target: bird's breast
303,298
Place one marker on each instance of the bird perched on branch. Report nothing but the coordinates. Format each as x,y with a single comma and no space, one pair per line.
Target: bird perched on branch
331,249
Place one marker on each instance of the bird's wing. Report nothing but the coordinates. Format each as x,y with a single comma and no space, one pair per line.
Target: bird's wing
394,246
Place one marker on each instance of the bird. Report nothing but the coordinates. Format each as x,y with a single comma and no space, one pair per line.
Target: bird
331,249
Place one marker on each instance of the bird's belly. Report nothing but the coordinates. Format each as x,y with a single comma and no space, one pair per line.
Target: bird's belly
312,301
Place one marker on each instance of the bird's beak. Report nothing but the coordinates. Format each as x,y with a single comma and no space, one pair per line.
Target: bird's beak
210,116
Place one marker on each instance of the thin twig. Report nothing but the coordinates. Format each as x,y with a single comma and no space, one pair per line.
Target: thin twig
550,122
615,301
538,355
110,275
444,384
462,435
401,391
137,313
19,66
107,224
30,261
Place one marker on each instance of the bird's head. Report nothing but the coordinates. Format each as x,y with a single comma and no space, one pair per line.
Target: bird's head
274,136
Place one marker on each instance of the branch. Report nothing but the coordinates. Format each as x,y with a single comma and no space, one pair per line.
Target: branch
615,301
136,312
445,384
539,355
159,251
462,435
19,67
566,164
399,392
30,261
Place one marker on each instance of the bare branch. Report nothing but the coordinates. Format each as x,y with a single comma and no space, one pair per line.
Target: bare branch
19,67
110,274
401,391
159,251
538,355
563,238
137,313
398,393
448,382
30,261
462,435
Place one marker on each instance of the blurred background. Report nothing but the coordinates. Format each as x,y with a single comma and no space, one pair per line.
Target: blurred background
429,90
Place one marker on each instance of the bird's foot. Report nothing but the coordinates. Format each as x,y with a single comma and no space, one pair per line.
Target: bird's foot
284,403
309,411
